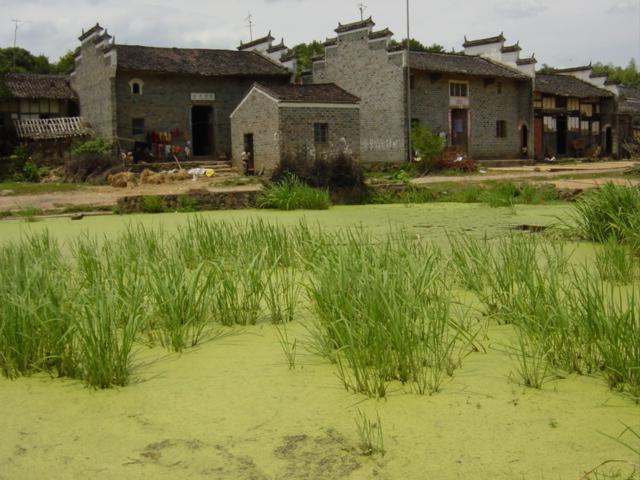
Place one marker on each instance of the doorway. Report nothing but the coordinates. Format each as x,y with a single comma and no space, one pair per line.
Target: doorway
562,125
524,142
459,129
538,137
249,160
202,130
608,141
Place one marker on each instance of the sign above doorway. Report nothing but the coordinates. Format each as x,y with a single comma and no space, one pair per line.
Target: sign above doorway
203,97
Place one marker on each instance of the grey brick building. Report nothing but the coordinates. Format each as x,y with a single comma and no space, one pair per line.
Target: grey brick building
167,96
480,100
280,120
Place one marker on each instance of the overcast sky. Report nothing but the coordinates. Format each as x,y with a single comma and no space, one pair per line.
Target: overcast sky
561,32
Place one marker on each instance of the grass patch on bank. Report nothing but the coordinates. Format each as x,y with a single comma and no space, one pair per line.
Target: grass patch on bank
25,188
292,194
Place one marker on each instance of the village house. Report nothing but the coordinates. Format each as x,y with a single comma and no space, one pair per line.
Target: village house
480,100
292,120
161,100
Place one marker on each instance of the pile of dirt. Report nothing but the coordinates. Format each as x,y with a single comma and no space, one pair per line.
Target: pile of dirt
147,177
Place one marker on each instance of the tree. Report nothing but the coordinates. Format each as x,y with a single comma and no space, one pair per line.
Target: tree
66,63
22,61
304,52
628,75
546,69
418,46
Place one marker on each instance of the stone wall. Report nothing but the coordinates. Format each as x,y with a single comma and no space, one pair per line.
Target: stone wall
365,69
430,105
165,104
94,84
257,115
297,130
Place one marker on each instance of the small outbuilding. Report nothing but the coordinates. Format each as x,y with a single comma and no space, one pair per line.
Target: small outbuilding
312,120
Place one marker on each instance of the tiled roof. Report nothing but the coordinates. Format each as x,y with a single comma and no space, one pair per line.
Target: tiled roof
512,48
257,41
347,27
527,61
567,86
461,64
190,61
380,34
572,69
629,100
93,29
330,42
30,85
483,41
311,93
277,48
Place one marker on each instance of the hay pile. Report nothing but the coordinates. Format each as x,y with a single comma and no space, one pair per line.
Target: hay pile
122,180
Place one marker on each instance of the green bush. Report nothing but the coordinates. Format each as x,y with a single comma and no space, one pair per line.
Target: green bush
95,145
152,204
293,194
427,145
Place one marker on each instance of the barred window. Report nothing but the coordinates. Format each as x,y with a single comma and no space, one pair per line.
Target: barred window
501,129
137,126
458,89
321,133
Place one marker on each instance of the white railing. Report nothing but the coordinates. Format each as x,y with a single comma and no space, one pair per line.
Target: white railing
52,128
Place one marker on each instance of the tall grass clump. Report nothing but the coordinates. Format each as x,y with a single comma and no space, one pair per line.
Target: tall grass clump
292,194
370,434
181,299
384,317
611,211
616,263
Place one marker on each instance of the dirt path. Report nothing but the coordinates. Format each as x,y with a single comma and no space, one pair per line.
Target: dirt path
101,196
107,195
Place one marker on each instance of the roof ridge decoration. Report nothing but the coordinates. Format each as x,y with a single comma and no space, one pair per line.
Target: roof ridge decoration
483,41
89,32
385,33
348,27
512,48
583,68
532,60
267,38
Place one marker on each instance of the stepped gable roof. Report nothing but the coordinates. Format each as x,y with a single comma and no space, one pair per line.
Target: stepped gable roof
192,61
461,64
347,27
89,32
277,48
31,85
380,34
567,86
483,41
527,61
256,42
512,48
310,93
583,68
330,42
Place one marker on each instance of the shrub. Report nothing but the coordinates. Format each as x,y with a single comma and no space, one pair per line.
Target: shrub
427,145
336,172
92,167
152,204
292,194
95,145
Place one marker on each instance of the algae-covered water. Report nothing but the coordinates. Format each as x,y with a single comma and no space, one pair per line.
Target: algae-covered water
232,409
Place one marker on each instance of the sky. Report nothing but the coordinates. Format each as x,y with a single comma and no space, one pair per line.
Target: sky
561,33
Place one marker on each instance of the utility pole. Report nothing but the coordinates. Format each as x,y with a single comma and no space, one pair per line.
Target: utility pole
408,57
17,22
249,21
362,7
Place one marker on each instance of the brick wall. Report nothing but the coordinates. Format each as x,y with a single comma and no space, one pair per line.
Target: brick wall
166,104
364,69
94,84
430,105
257,115
297,130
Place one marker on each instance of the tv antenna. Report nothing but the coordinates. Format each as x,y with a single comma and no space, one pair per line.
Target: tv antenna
250,24
362,7
17,24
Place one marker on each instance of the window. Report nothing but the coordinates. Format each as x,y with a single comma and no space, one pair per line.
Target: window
549,103
550,124
499,88
573,104
137,126
136,86
458,89
586,109
595,128
574,124
584,127
501,129
321,132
